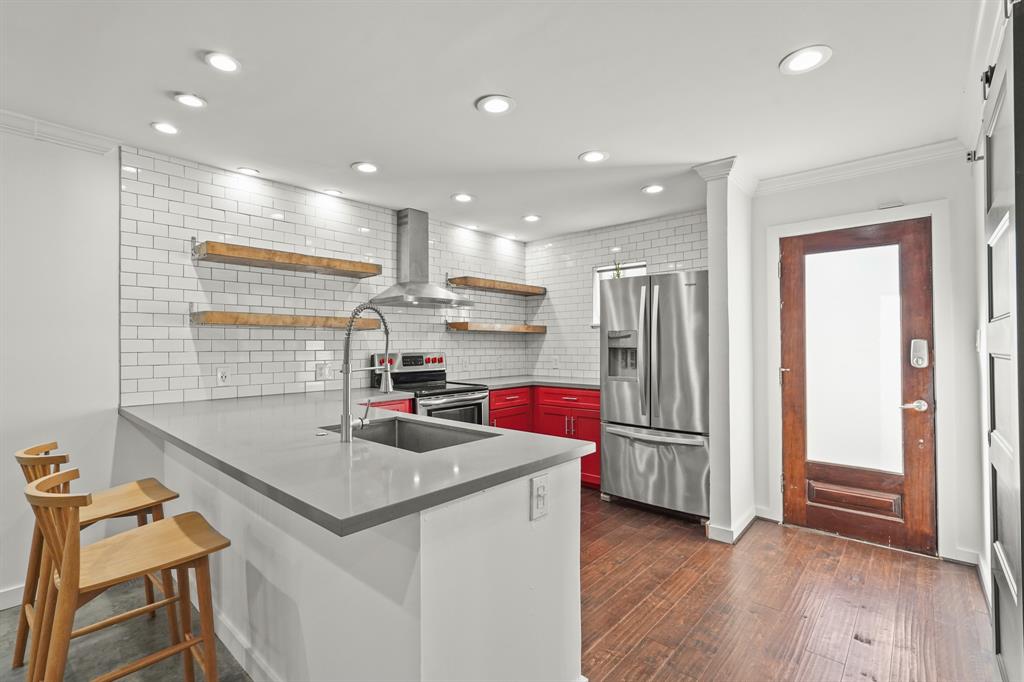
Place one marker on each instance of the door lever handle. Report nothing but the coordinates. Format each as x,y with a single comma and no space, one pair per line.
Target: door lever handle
917,405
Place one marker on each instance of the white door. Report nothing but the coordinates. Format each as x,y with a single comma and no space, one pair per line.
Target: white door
1003,188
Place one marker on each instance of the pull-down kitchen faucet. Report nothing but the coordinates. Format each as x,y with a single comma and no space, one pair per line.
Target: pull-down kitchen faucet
346,370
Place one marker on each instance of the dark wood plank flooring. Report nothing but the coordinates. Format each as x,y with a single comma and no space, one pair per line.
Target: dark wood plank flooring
662,603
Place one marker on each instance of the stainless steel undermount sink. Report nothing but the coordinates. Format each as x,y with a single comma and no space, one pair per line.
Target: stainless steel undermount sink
414,436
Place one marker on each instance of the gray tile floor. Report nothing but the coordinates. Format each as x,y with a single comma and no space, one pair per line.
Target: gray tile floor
111,647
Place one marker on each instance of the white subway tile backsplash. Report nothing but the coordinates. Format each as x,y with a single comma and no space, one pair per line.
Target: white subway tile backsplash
164,359
565,265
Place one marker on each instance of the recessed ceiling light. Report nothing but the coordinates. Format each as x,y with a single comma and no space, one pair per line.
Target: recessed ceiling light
805,59
652,189
222,62
364,167
190,99
277,216
164,127
531,218
462,197
129,169
248,171
470,227
333,192
593,156
495,104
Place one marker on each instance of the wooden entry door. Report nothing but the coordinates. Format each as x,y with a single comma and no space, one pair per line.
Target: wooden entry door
1004,189
858,412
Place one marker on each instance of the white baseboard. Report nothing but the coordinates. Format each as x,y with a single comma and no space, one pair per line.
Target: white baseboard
767,514
241,648
731,535
964,556
11,596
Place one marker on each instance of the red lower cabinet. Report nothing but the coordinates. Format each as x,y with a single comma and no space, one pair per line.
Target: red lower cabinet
554,418
394,405
587,426
518,418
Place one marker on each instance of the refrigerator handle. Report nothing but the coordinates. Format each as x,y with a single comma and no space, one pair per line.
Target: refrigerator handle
655,351
651,438
641,349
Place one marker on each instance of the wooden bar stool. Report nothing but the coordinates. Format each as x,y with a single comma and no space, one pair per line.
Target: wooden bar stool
74,575
139,499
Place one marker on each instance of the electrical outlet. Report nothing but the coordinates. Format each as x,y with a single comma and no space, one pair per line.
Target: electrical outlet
538,497
223,376
323,371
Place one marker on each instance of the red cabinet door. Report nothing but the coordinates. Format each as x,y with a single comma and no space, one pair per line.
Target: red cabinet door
586,425
517,418
570,397
394,405
552,420
510,397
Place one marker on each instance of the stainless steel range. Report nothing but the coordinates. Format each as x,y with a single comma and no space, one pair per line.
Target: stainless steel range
424,374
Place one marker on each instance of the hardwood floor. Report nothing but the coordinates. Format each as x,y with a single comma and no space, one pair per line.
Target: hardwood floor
662,603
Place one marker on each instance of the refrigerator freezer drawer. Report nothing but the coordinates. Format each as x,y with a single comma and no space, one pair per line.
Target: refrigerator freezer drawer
660,468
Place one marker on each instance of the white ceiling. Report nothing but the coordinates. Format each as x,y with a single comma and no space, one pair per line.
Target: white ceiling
660,86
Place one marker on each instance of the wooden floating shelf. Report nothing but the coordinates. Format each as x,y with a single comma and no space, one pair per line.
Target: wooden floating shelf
235,254
229,319
497,285
497,327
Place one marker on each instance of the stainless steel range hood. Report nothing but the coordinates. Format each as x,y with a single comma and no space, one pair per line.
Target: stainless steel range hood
414,287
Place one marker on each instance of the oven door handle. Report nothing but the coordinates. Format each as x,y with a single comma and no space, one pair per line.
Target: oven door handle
460,398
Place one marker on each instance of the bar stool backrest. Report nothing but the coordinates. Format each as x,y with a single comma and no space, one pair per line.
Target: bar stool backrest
56,510
37,461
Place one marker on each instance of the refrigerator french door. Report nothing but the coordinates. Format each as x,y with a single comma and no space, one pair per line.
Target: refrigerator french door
654,390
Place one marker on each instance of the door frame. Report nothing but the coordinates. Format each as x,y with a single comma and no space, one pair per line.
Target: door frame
946,428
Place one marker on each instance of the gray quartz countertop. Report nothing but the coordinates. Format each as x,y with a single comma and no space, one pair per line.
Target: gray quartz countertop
270,444
535,380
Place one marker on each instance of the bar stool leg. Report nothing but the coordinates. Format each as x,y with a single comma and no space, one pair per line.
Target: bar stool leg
42,619
172,616
28,595
146,585
60,637
206,619
185,613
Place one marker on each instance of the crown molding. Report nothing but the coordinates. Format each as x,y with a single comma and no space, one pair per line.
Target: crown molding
33,128
904,158
726,168
715,170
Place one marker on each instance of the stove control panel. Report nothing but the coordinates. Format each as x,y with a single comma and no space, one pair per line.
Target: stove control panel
410,362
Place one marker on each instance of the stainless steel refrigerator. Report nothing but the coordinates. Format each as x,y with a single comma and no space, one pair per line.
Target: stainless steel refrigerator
654,390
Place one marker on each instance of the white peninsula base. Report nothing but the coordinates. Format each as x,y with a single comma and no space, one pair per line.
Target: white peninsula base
467,590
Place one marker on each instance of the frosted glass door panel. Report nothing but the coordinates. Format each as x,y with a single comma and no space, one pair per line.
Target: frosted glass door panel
853,358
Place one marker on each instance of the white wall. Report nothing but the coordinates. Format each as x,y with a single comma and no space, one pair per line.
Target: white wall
958,454
165,202
565,265
58,316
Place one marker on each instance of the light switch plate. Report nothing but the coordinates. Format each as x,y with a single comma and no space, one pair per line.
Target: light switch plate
323,371
538,497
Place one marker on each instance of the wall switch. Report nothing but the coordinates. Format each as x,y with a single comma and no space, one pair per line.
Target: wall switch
223,376
323,371
538,497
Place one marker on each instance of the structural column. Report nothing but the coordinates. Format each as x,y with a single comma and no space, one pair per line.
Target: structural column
731,348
